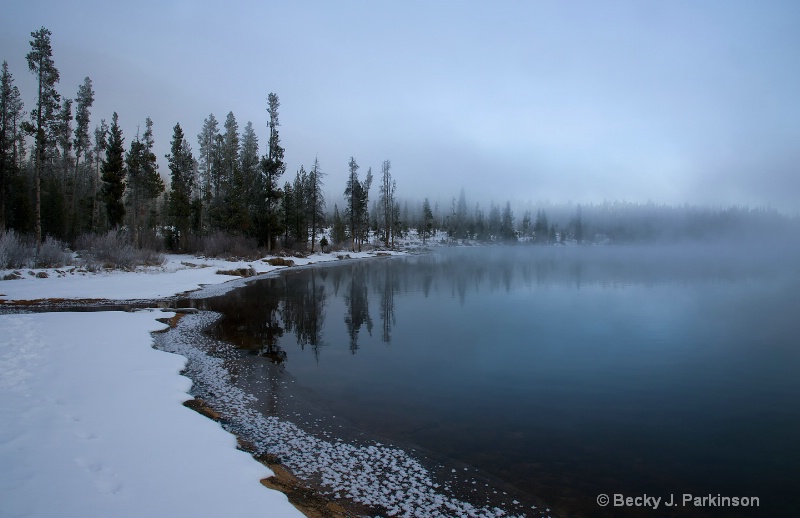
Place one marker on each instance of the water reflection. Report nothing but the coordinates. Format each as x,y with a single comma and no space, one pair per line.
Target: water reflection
356,301
565,371
258,315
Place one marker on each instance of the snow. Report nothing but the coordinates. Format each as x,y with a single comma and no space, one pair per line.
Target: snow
180,273
372,473
93,426
93,423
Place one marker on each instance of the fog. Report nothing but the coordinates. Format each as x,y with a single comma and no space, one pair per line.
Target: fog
528,102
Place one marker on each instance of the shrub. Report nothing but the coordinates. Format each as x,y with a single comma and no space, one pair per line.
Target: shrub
19,251
16,251
113,250
53,253
226,246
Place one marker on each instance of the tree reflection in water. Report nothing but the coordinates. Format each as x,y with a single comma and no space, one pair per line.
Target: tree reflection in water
259,315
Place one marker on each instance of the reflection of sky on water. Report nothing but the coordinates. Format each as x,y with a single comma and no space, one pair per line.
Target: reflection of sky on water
554,369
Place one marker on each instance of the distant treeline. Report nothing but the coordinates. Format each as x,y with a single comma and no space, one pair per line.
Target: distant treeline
57,179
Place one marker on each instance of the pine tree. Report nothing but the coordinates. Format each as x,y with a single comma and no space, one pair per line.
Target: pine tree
144,181
386,201
357,211
315,204
426,223
351,193
208,151
100,143
507,224
62,132
134,163
481,225
526,224
364,208
272,168
299,208
338,230
113,175
540,228
206,142
181,166
249,170
460,222
80,142
10,113
40,62
288,214
230,150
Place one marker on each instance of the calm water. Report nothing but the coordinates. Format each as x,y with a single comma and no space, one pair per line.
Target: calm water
566,372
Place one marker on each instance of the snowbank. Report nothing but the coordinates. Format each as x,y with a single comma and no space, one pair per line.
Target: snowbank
180,273
93,426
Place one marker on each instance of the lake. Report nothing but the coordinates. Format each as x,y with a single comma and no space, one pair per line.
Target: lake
563,372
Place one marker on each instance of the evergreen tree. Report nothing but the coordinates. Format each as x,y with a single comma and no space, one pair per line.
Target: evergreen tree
397,223
181,166
40,62
208,151
426,223
493,221
351,193
249,170
144,181
299,208
134,163
507,224
287,213
315,205
80,142
481,225
364,208
230,149
114,175
386,201
63,133
338,230
540,228
234,216
57,221
100,143
551,234
206,141
10,113
460,223
526,224
272,168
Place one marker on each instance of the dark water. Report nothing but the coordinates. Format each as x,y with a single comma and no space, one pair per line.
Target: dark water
566,372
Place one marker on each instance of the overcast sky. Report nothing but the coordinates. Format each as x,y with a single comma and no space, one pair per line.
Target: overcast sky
670,101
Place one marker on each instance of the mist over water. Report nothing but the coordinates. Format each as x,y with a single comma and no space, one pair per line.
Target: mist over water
564,371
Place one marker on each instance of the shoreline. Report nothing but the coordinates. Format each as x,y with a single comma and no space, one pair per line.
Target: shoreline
360,471
308,500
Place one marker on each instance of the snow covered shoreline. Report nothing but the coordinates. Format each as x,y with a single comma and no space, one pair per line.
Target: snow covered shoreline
94,423
178,274
70,379
94,426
